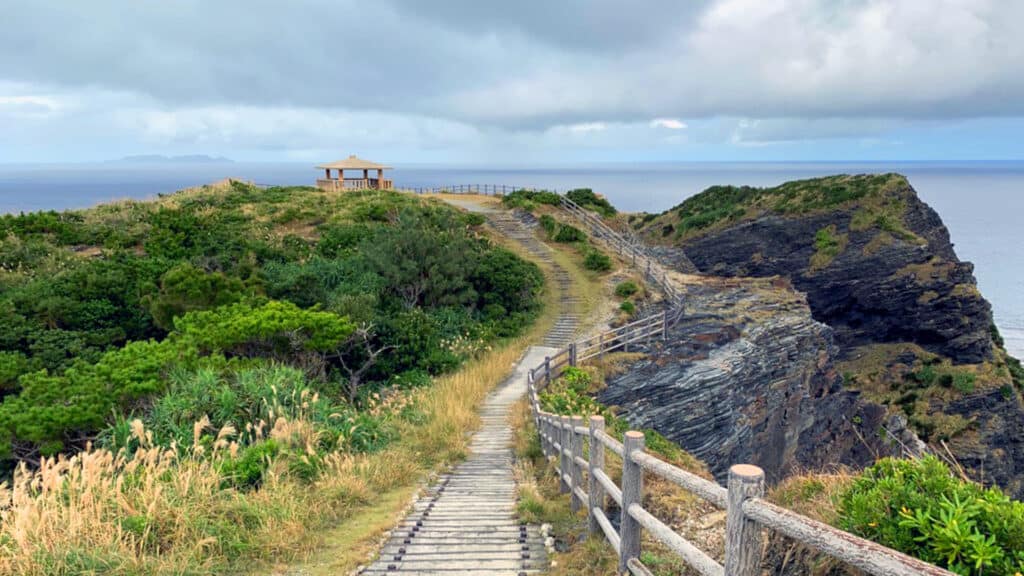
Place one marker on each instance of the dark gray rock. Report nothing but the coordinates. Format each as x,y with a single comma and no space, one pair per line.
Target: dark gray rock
758,388
883,286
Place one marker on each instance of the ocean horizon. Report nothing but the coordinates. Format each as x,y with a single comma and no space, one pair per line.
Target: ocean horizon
980,201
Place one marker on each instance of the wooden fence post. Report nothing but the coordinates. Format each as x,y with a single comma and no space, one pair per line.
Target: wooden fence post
600,346
576,472
572,354
596,461
632,493
551,437
547,370
563,462
742,536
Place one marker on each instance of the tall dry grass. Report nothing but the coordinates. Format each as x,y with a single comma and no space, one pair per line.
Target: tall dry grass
164,511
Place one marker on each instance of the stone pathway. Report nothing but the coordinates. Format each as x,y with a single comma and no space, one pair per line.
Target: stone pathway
466,523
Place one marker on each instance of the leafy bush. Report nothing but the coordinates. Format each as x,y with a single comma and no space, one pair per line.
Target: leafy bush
241,399
12,366
568,234
586,198
88,337
560,232
919,508
549,224
246,470
527,199
185,288
275,329
425,260
628,307
597,261
52,410
626,289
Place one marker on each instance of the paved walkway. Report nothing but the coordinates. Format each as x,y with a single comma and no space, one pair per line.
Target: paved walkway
466,523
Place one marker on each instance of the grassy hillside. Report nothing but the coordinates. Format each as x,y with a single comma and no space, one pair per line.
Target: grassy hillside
879,194
227,366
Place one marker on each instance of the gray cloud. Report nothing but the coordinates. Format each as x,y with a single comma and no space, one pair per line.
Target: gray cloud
463,71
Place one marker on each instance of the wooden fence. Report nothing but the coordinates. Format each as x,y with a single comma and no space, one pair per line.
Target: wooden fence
566,439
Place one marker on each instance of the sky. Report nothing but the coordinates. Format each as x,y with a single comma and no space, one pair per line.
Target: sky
531,81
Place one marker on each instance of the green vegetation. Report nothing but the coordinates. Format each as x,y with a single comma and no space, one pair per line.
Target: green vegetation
529,199
628,307
107,314
827,245
586,198
626,289
919,508
722,204
230,371
913,380
560,231
596,260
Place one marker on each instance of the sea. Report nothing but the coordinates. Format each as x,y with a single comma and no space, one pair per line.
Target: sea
982,203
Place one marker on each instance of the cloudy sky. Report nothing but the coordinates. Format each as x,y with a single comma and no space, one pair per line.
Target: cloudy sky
474,81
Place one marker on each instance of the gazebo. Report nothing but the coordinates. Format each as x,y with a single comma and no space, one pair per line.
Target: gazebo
340,182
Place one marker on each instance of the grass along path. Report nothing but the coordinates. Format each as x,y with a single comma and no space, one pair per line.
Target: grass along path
350,538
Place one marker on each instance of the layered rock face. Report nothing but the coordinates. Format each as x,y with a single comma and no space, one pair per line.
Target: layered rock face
751,380
878,295
905,285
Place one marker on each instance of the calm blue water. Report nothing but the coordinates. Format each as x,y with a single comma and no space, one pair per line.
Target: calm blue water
980,202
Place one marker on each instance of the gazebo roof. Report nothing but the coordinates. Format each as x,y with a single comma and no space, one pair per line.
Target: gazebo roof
353,163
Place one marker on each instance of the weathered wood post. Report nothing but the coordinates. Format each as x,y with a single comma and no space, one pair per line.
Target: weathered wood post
577,473
572,354
632,493
547,370
742,535
550,437
600,346
595,494
565,438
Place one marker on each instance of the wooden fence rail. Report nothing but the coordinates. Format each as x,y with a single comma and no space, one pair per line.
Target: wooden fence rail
565,439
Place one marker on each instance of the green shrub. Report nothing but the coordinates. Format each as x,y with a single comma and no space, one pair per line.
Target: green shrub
274,329
964,382
919,508
341,238
12,366
586,198
626,289
528,199
628,307
568,234
549,224
597,261
244,397
246,470
185,288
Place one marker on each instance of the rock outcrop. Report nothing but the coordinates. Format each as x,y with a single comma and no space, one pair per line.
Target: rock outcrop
865,336
877,270
751,380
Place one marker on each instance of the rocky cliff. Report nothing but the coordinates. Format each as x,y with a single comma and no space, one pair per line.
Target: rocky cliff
892,330
877,267
750,378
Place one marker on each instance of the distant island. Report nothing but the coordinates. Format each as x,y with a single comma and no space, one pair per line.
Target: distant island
185,159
